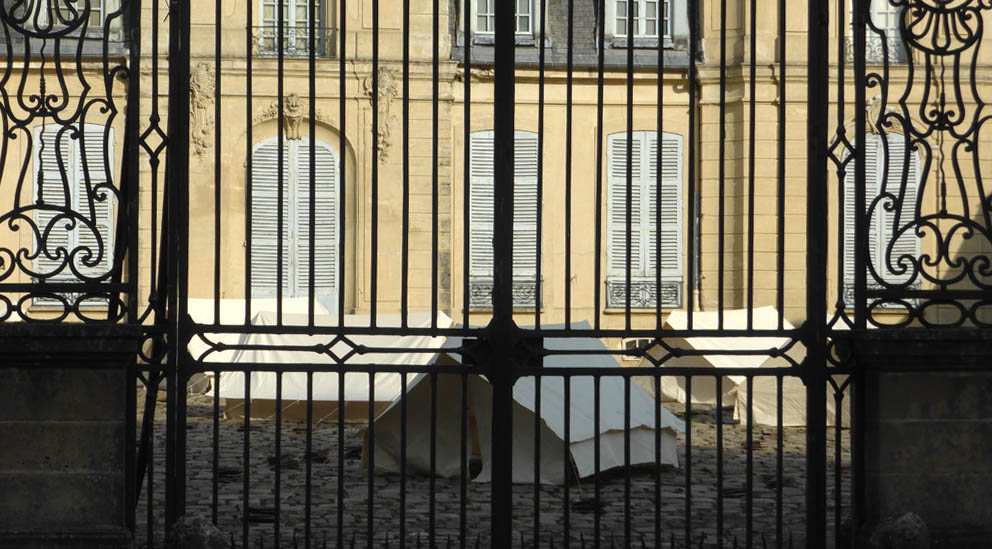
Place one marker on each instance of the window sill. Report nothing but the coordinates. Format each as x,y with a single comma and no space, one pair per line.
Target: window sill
642,42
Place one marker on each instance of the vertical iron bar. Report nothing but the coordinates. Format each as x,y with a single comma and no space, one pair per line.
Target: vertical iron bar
370,514
246,464
403,412
178,196
719,458
374,221
540,182
722,185
342,186
567,459
569,61
277,492
249,143
693,8
838,446
215,463
467,171
778,463
463,478
688,460
308,479
780,195
218,72
629,175
502,330
340,501
312,220
596,527
281,168
750,172
537,458
597,269
657,461
432,484
749,481
660,139
626,461
816,270
405,229
435,136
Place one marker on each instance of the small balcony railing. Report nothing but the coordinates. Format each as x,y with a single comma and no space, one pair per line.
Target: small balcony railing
879,49
296,41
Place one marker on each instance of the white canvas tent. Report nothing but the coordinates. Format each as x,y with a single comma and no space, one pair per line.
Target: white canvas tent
383,387
704,389
764,400
552,424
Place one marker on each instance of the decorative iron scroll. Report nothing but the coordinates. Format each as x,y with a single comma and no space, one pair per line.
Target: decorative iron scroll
59,94
643,294
939,114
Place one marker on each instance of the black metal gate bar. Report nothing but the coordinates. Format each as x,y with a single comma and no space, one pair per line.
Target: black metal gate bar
815,363
502,331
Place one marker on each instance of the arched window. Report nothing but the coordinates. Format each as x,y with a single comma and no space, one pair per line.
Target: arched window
297,179
525,199
74,204
644,209
885,222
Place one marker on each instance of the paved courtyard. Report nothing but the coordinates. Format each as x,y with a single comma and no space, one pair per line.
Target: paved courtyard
386,489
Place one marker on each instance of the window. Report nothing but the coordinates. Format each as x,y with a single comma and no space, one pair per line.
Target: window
483,21
75,204
887,46
296,220
652,20
883,223
644,212
296,28
485,16
525,199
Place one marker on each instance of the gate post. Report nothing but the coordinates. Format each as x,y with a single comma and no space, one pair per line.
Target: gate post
177,202
816,273
502,331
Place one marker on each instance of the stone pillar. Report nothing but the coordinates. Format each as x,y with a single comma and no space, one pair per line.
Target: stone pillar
67,429
928,431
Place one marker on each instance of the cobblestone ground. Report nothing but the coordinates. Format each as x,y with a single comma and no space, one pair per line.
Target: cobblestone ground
386,489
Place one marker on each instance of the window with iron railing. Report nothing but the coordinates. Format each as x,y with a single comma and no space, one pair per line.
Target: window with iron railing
885,47
637,221
891,207
301,20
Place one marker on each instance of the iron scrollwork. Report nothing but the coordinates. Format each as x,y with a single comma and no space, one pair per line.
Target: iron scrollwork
939,115
58,111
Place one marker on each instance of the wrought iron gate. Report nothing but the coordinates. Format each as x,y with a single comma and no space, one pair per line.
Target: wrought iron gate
344,198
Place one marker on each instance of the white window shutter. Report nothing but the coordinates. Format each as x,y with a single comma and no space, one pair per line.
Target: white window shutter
525,206
617,206
264,218
481,205
671,210
325,220
872,175
93,174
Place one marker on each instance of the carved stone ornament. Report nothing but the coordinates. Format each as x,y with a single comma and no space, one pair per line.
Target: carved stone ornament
201,96
294,112
386,93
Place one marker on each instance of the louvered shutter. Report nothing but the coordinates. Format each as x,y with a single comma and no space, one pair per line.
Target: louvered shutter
671,212
525,202
264,218
94,200
481,205
617,206
907,244
325,220
57,189
872,176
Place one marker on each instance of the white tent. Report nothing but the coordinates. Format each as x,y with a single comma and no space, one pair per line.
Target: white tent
359,387
704,389
764,400
552,425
